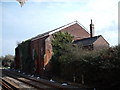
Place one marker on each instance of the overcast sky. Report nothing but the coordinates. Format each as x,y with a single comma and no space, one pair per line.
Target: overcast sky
38,16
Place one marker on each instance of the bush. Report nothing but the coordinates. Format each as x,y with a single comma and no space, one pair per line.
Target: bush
26,62
59,43
97,68
7,60
100,68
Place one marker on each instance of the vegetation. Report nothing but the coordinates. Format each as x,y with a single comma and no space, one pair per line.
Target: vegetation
94,68
26,62
7,60
59,44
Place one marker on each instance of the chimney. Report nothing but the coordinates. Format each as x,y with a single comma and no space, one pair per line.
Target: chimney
91,29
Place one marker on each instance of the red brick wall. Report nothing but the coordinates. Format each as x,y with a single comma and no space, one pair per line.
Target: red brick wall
39,46
48,50
43,47
100,43
77,31
35,49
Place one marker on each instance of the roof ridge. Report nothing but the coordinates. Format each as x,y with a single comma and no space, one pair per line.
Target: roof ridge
59,28
82,26
88,38
52,30
64,25
67,25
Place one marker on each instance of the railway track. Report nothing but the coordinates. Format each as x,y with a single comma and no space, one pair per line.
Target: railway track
6,85
25,80
40,84
9,83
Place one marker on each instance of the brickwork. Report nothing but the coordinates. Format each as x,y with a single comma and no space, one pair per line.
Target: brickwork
77,31
41,48
100,43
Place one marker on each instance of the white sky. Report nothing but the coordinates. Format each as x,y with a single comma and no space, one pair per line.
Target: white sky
39,16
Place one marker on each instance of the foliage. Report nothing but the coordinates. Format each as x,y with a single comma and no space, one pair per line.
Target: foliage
98,68
59,43
27,64
7,60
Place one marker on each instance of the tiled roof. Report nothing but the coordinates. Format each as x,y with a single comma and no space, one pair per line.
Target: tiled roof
87,41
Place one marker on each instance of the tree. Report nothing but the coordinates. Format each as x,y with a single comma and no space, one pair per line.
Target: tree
7,60
59,42
97,68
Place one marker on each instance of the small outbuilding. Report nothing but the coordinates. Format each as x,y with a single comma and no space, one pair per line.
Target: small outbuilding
92,43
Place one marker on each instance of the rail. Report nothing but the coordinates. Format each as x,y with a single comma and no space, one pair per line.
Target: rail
37,83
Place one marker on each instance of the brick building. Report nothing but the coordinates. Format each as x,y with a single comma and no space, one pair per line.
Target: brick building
92,43
40,48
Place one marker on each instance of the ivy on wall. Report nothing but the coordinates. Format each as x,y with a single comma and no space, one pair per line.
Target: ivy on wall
26,61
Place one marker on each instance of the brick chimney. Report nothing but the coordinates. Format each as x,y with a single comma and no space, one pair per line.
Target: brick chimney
91,29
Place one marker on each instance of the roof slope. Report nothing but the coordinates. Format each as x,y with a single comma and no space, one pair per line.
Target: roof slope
58,29
87,41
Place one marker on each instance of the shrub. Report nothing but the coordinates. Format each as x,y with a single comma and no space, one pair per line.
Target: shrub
7,60
92,67
98,68
59,43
